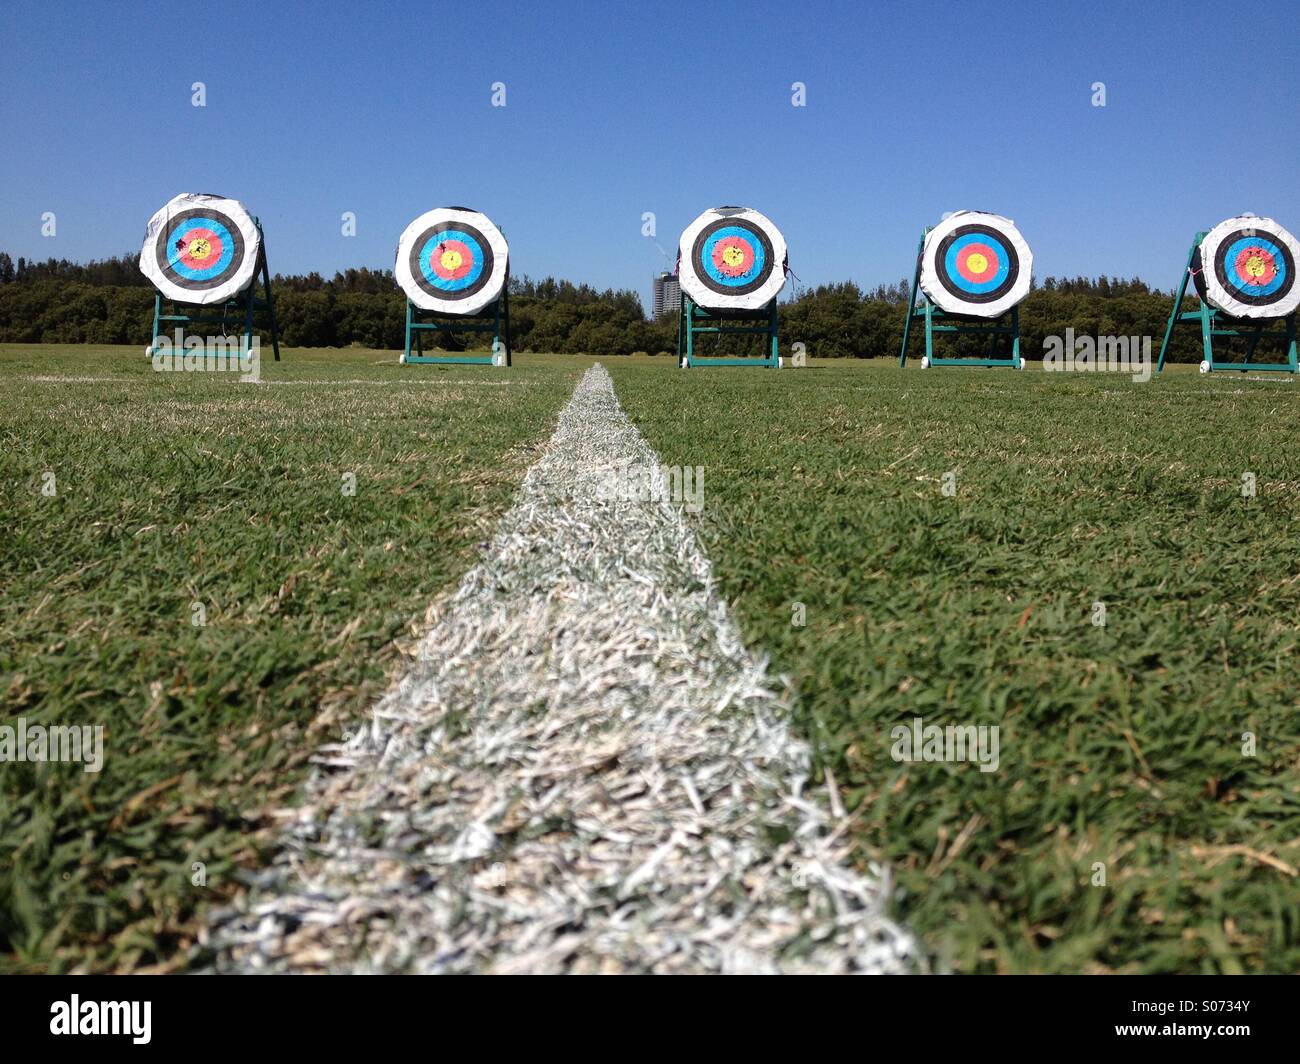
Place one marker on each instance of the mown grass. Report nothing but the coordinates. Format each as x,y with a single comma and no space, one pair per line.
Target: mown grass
1121,746
180,490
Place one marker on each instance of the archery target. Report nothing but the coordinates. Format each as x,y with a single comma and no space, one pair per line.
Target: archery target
732,258
976,264
1247,267
452,260
201,249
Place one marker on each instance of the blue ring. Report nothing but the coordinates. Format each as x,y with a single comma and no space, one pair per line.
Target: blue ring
1279,260
208,272
756,267
443,283
1004,263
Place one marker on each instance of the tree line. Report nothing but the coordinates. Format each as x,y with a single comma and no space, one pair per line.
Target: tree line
110,302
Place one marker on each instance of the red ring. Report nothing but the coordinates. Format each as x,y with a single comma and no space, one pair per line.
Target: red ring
1247,253
721,264
990,257
466,259
214,253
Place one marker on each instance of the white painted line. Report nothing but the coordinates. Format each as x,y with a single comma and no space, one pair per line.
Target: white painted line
586,772
436,381
61,378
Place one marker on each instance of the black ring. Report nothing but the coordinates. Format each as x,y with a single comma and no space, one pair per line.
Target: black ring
697,257
417,274
1238,293
941,269
164,241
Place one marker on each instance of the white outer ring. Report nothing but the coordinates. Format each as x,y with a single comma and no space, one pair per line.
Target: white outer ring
705,296
228,289
945,300
1218,296
471,304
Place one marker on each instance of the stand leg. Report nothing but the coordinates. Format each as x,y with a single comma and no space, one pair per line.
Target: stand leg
270,305
1015,336
248,319
1178,305
772,323
1207,336
911,303
690,331
496,328
681,319
157,313
505,297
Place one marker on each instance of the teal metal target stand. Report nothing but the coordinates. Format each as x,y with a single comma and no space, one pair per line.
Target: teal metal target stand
936,321
1214,323
495,318
694,320
246,303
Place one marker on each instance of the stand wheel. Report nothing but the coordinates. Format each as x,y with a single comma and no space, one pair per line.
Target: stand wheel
1021,364
401,359
1205,367
925,361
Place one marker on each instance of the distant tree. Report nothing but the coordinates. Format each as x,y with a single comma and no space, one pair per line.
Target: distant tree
110,301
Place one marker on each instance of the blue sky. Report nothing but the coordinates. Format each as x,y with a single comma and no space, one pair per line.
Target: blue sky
616,109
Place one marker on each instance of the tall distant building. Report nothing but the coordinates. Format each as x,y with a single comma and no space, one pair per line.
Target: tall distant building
668,295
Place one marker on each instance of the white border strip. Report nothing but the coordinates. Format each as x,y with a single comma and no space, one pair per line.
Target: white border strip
586,772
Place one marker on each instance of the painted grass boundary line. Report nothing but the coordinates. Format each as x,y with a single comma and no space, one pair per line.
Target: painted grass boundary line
587,771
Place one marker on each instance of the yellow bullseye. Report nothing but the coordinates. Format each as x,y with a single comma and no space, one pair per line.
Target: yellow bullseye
1256,266
450,260
199,248
977,263
733,256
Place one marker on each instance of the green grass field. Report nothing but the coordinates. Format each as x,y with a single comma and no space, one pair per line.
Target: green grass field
1120,745
182,489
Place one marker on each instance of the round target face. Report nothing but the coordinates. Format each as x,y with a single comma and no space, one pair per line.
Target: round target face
732,258
1247,268
201,249
976,264
452,260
